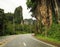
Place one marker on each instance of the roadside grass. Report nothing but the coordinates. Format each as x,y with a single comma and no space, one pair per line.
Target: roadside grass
48,39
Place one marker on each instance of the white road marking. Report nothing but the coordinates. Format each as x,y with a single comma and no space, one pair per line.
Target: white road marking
24,43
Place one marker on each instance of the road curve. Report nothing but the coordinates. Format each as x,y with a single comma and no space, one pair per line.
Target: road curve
26,40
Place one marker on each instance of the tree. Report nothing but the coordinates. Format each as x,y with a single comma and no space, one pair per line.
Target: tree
9,17
2,22
42,10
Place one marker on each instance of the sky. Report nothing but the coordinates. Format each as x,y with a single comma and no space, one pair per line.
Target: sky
10,5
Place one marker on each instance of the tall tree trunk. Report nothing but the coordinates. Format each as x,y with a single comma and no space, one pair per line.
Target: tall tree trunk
38,18
56,10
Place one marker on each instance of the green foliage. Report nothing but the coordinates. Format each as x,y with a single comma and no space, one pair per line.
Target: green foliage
31,4
54,31
47,39
23,29
2,21
9,17
27,28
9,29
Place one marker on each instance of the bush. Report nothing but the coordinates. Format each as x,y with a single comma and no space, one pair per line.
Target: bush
54,31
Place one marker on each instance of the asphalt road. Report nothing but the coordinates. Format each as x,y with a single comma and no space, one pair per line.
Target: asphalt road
26,40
